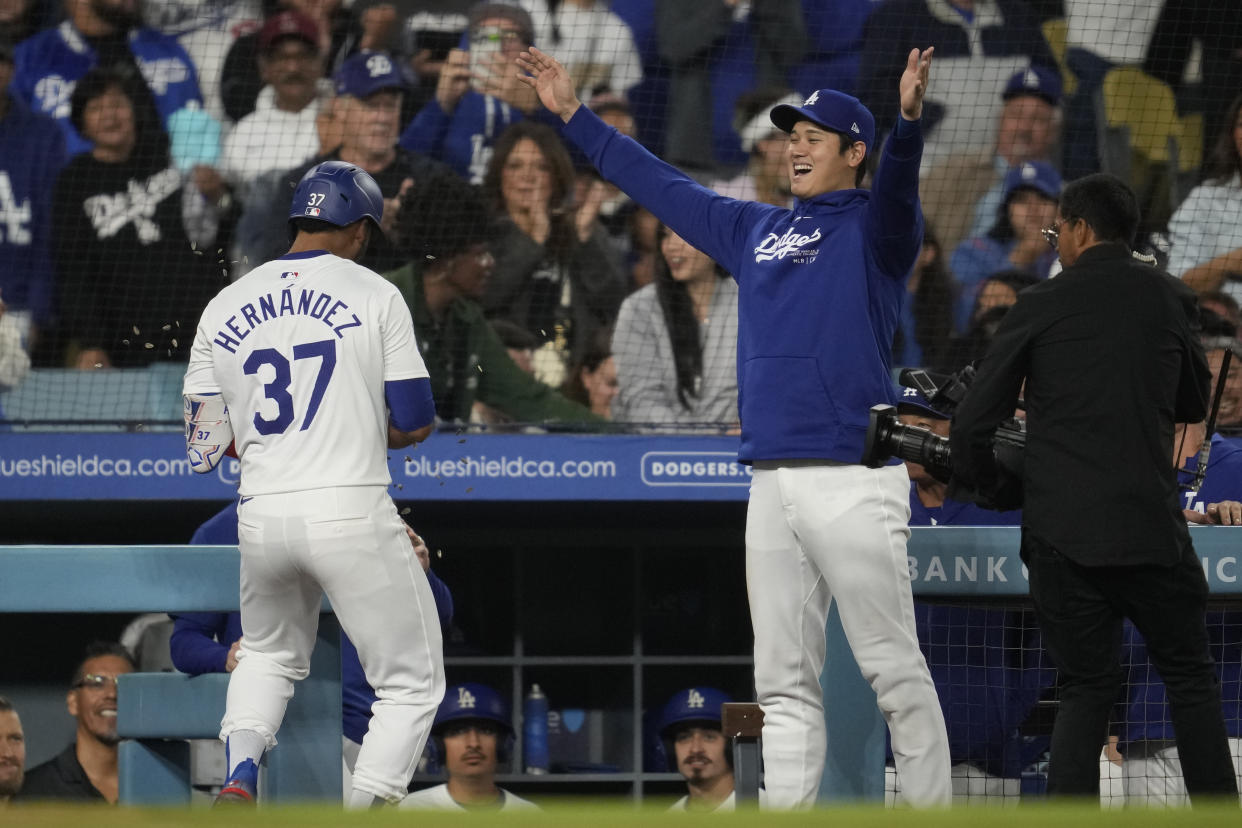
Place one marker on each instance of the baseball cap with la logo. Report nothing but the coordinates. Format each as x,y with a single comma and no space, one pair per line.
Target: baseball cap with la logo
832,109
366,73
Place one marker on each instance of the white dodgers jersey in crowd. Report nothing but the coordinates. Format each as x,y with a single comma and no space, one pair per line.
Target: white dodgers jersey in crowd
300,348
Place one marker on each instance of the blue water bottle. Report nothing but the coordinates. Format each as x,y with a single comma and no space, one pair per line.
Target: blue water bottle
535,730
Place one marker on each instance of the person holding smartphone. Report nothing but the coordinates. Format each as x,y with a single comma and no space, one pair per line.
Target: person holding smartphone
477,96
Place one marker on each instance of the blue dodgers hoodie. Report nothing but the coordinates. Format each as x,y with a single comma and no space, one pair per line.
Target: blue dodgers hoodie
820,287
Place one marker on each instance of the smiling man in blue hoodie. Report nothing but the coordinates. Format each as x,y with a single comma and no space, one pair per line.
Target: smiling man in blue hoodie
820,291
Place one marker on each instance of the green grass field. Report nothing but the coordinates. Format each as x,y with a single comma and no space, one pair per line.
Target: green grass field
597,815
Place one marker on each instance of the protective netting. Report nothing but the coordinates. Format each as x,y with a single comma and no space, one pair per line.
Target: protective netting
149,152
999,694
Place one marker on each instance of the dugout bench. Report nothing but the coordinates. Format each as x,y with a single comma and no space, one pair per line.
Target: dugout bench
158,711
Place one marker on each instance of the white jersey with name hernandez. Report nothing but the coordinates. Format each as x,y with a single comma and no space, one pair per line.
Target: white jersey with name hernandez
293,347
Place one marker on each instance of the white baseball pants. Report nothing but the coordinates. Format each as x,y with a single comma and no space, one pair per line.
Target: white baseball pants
350,544
1153,774
815,534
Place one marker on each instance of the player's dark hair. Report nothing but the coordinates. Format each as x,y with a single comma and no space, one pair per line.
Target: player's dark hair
5,705
96,649
681,323
561,233
1105,203
302,224
1224,161
847,142
441,217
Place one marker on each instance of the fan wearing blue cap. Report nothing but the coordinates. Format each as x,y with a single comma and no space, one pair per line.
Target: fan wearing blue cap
473,735
1016,240
820,289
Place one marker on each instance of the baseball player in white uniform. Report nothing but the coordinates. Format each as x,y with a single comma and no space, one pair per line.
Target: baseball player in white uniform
308,365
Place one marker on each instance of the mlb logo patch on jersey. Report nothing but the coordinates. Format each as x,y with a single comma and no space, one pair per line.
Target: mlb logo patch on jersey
311,211
289,274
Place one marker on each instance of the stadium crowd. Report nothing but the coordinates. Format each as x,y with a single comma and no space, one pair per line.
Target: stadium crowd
149,147
148,151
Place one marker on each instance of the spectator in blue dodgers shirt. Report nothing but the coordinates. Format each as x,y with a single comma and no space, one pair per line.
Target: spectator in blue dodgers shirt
675,344
820,289
281,132
478,95
32,151
1015,240
596,45
963,192
985,661
206,29
979,45
106,34
207,642
1152,769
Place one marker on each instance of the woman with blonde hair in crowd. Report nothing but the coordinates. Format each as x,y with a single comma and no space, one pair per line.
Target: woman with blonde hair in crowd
675,343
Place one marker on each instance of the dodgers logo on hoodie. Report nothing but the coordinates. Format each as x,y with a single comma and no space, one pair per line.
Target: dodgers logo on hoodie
791,244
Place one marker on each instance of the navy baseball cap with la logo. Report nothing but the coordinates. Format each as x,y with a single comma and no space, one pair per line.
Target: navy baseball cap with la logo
366,73
832,109
912,401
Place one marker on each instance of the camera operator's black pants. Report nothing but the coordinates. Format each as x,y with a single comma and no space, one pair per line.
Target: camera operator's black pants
1081,611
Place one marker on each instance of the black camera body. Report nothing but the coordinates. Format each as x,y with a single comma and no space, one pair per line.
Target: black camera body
888,437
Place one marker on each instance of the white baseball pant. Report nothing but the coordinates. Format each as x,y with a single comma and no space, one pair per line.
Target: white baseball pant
818,533
350,544
1153,773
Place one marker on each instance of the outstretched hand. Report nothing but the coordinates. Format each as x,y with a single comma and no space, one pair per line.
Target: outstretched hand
551,82
914,83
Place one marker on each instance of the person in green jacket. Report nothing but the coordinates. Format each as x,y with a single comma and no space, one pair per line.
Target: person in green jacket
444,227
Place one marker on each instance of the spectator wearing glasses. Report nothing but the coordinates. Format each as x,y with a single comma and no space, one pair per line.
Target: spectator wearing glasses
86,769
477,95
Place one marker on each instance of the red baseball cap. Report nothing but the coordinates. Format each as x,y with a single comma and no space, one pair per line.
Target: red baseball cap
288,23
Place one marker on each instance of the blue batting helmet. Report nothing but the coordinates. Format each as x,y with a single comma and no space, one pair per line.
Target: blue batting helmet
338,193
692,707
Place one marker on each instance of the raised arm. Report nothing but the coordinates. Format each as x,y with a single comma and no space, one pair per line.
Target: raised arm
716,225
897,214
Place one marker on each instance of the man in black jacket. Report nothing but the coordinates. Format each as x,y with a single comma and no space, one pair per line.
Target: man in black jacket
1110,359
